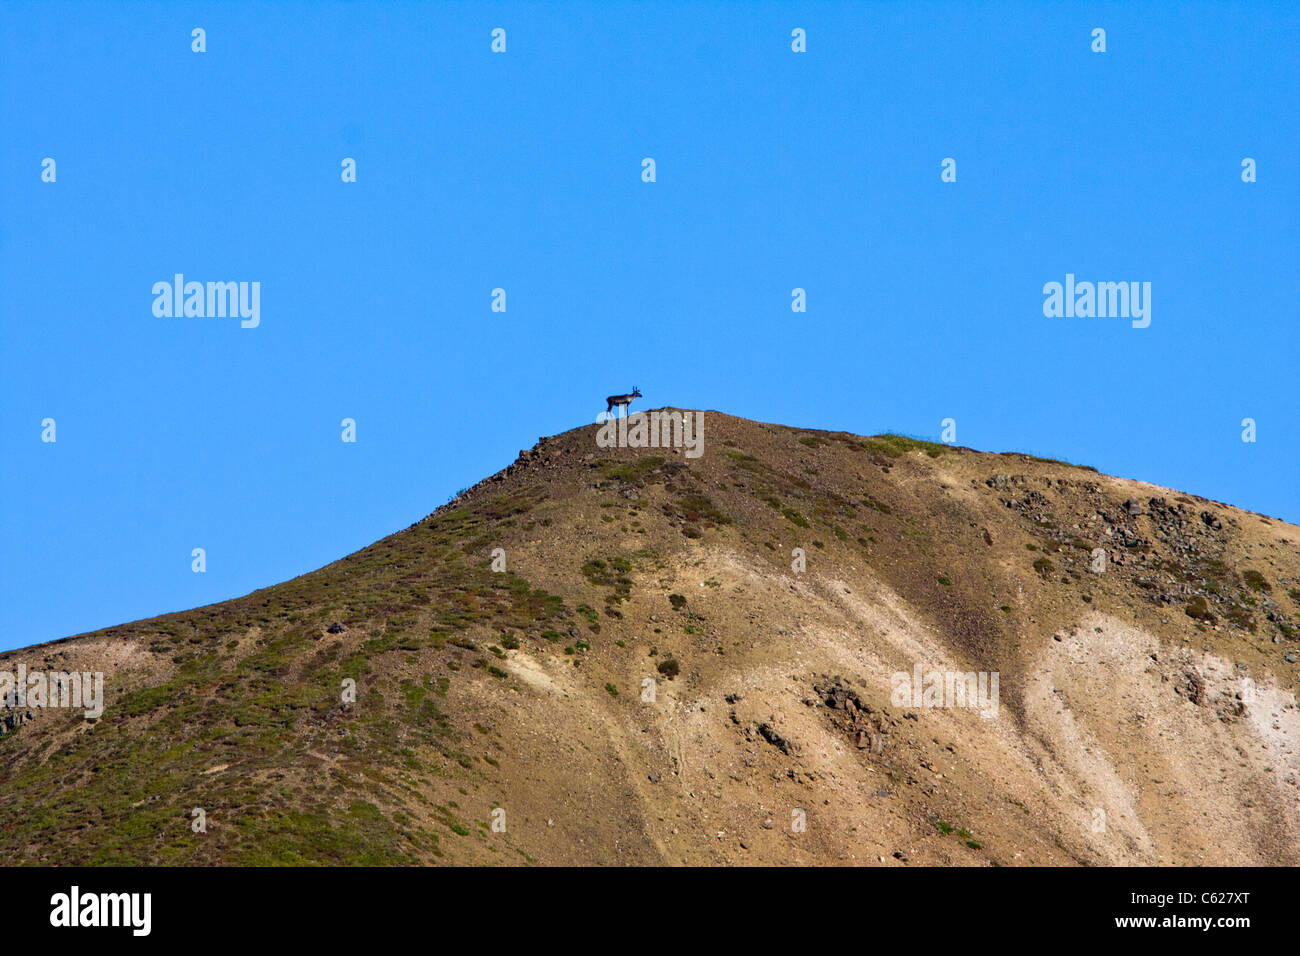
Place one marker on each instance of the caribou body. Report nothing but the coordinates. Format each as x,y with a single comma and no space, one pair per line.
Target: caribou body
621,401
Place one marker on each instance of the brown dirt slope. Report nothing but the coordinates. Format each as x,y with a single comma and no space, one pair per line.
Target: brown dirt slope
1146,713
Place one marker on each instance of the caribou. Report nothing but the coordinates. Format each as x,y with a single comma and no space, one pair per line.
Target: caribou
622,400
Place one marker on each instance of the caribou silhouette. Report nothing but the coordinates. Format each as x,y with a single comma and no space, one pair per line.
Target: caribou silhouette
622,400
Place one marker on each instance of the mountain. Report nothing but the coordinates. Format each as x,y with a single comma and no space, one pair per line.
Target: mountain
1145,709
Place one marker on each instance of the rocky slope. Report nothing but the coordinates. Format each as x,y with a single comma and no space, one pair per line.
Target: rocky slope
695,660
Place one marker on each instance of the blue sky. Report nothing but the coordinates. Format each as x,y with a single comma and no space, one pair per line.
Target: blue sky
522,170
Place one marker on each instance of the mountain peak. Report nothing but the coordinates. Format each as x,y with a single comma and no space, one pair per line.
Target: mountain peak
798,646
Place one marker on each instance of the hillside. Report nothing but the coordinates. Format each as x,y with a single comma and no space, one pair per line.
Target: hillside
1159,693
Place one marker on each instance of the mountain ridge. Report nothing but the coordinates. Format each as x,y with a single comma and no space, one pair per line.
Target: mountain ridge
499,714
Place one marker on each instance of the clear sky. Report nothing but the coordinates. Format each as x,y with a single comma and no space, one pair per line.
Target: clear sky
476,170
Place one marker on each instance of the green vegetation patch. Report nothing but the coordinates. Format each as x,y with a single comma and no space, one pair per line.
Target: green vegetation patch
634,472
1199,610
700,508
1255,581
896,446
795,517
